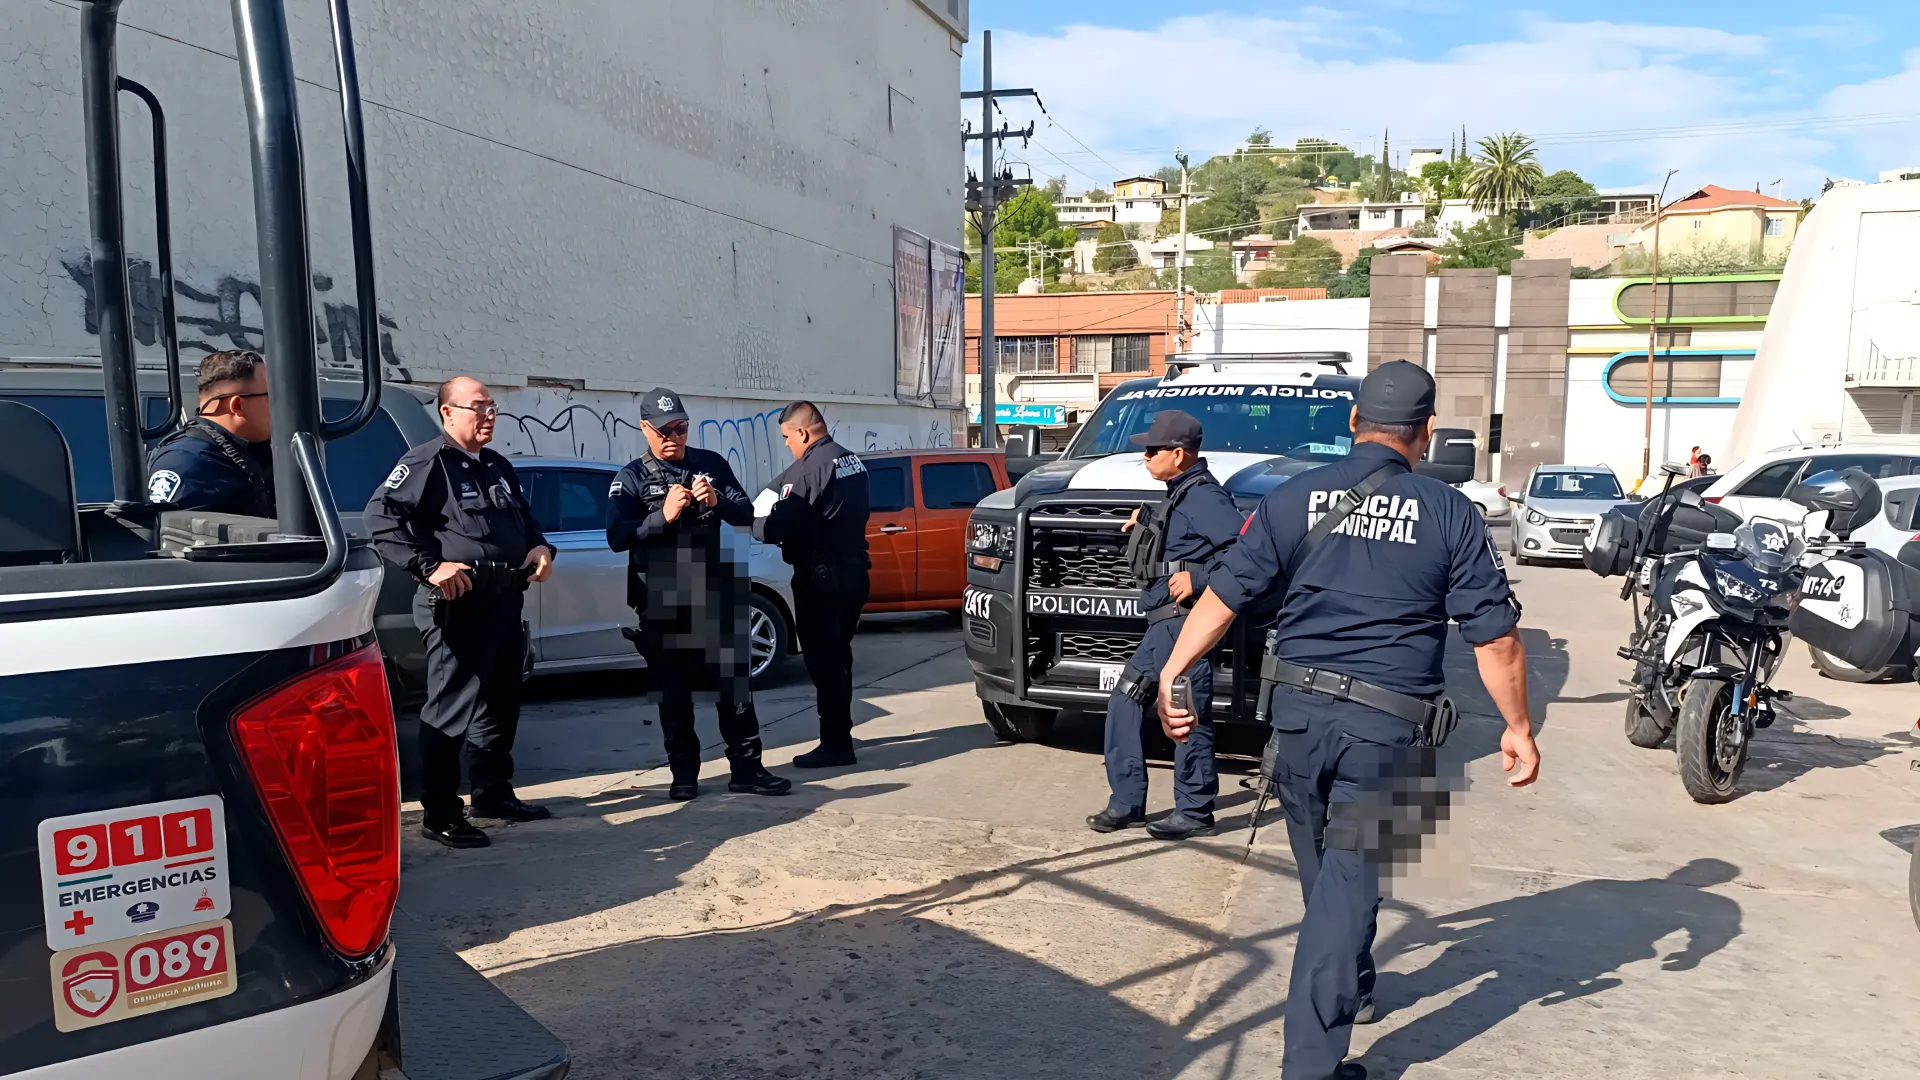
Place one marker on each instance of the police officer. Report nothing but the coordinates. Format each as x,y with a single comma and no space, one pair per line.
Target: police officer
222,460
453,515
666,510
1172,552
1373,561
818,516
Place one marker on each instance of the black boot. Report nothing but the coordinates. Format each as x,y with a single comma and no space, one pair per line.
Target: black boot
455,833
754,779
509,809
684,787
1107,821
1178,826
826,757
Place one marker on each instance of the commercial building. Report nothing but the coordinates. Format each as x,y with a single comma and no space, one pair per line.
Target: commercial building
572,202
1064,351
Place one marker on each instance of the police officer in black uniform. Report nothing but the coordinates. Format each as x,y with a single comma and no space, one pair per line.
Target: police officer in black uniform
1173,548
453,515
666,510
1373,561
222,460
819,519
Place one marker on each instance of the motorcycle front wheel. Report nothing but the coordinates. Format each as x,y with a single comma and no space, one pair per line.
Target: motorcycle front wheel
1711,742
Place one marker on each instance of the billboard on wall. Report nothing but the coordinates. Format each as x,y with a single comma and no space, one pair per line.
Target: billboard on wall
929,321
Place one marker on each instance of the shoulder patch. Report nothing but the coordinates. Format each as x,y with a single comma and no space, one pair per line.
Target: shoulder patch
162,486
398,476
786,490
615,489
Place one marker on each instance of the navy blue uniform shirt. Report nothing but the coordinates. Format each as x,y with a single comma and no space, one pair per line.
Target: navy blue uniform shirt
204,467
637,522
821,518
1373,600
1203,524
442,504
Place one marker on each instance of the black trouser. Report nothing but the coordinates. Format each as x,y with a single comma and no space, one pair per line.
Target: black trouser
476,653
676,675
826,611
1196,776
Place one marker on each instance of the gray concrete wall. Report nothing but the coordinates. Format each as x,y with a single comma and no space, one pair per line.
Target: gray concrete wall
1533,424
595,195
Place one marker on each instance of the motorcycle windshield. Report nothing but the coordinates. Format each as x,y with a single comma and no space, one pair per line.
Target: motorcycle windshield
1771,546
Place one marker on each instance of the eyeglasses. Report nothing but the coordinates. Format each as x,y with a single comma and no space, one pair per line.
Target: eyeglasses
222,397
484,412
672,431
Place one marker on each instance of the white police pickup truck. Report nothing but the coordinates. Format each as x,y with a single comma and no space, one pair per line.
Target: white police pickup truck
1052,613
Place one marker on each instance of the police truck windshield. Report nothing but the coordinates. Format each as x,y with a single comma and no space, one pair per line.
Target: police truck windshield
1298,421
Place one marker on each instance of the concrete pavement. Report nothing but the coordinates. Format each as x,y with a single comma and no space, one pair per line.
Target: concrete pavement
941,911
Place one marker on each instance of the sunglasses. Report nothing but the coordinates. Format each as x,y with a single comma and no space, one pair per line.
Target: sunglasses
485,412
672,431
1153,450
216,399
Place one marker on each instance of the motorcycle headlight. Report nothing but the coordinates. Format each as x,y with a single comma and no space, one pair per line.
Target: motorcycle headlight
1535,517
1736,588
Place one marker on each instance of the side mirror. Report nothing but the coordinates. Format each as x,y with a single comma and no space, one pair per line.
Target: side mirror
1023,441
1516,499
1673,468
1452,456
1689,497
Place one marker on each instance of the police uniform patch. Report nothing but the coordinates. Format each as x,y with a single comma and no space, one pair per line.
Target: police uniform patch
398,476
615,489
162,485
786,490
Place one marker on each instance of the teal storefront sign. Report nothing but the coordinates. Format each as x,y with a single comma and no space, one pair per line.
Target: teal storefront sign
1021,412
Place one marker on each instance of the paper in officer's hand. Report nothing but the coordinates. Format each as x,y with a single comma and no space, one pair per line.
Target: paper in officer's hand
763,502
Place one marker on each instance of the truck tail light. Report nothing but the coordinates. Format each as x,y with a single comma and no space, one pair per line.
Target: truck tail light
321,751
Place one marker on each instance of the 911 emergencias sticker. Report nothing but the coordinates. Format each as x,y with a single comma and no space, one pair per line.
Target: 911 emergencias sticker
133,870
114,980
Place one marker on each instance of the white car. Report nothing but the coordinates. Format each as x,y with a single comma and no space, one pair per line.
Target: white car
1758,486
1489,496
1562,503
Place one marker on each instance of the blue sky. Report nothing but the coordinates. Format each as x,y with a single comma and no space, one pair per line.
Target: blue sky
1727,93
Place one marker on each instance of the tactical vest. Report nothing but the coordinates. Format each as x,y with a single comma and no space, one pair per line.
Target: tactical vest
1147,546
229,447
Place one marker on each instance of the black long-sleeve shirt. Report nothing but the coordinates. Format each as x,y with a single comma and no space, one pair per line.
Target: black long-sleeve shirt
660,551
442,504
821,516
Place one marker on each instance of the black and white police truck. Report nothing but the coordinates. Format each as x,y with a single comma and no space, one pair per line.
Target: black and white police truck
1052,611
199,795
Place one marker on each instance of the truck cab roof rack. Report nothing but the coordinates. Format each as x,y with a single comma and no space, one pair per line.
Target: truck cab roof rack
1184,362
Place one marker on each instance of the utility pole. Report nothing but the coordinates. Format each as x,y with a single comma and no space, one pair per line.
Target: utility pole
985,199
1180,261
1653,331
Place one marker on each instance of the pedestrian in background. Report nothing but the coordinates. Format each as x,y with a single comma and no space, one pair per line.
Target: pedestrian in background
817,512
1702,465
454,517
666,510
1373,561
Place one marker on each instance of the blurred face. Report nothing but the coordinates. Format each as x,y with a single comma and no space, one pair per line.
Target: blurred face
241,407
1167,462
668,441
469,414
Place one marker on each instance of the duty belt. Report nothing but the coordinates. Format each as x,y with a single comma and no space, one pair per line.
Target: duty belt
1340,687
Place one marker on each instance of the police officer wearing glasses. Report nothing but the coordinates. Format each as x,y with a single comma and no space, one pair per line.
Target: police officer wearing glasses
454,517
222,460
666,510
1371,562
1175,546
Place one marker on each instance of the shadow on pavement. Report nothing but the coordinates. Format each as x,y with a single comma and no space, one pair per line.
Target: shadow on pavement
1547,948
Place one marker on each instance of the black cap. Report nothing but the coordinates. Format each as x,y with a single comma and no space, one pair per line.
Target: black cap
1397,392
1171,427
660,405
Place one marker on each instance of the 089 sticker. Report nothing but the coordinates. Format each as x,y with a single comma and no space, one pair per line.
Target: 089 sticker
113,980
133,870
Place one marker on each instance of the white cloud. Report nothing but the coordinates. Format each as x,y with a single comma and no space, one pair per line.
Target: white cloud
1589,91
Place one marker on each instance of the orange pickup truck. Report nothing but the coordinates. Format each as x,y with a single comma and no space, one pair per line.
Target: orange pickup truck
916,532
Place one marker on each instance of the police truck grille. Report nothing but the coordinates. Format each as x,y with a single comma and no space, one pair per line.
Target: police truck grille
1075,559
1104,648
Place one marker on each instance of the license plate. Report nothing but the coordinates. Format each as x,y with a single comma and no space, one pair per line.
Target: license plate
1110,675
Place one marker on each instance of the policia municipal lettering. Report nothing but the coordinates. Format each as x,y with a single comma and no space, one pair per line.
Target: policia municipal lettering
1371,561
1175,545
453,516
666,510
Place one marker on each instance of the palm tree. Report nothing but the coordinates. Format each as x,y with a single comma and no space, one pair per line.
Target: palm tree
1505,174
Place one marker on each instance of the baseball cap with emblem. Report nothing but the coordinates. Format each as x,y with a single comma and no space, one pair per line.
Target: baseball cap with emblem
1171,427
660,406
1398,392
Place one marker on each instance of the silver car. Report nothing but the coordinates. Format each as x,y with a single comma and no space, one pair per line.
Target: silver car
1559,509
575,617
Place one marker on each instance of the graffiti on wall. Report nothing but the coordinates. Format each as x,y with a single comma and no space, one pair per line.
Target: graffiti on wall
228,316
604,426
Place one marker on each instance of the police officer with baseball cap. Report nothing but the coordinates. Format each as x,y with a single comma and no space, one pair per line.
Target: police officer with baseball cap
1175,545
1372,561
666,510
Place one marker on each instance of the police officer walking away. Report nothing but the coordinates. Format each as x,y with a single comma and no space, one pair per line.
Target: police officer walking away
666,510
1172,551
819,519
453,515
1373,560
222,460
